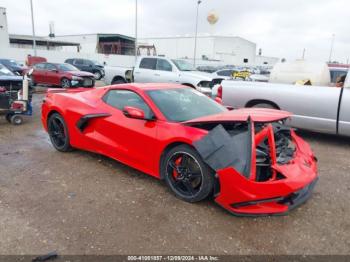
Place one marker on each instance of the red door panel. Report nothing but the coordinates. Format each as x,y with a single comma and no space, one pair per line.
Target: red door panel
126,139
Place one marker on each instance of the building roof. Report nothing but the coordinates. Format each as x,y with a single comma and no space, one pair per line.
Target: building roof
192,36
102,35
39,40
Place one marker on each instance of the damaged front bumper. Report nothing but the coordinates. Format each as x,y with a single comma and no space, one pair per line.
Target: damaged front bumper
289,183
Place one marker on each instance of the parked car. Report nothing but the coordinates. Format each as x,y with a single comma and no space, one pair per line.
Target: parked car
225,72
9,80
162,70
317,108
64,75
88,66
177,134
12,65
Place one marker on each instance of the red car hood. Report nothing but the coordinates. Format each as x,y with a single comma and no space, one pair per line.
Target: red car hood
80,73
256,115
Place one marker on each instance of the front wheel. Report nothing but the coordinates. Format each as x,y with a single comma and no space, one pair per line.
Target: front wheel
65,83
97,75
186,174
58,132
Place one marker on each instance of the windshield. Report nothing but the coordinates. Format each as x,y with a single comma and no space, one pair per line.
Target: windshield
183,65
182,104
5,72
10,63
67,67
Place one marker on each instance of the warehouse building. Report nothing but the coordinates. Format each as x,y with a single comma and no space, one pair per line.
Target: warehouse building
109,44
231,50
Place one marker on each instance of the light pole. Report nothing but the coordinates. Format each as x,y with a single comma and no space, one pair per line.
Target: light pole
331,51
33,29
195,36
135,30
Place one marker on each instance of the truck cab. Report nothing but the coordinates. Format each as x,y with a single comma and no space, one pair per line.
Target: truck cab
165,70
156,69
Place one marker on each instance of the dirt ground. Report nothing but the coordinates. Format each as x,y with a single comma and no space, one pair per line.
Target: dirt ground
83,203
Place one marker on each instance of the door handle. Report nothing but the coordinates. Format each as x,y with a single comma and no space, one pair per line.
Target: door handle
157,74
136,72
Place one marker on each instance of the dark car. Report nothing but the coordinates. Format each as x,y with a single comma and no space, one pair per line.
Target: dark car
9,80
64,75
12,65
88,66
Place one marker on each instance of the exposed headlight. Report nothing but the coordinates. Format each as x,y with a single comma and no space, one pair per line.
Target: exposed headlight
76,78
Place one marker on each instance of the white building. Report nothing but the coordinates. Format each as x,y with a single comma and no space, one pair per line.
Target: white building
116,44
58,49
230,50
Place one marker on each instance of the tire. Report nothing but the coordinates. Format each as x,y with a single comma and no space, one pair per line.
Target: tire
97,75
186,174
65,83
264,105
16,120
58,132
118,81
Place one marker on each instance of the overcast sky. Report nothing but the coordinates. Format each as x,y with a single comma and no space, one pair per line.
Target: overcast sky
282,28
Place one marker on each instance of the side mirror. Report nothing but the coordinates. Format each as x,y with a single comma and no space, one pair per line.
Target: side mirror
134,112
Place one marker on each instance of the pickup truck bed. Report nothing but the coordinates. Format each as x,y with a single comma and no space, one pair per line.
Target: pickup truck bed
316,108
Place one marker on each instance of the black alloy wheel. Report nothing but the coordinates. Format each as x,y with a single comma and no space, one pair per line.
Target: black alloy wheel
187,175
58,133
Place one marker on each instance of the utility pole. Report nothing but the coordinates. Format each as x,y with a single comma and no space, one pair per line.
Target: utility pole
331,51
135,30
304,50
33,28
195,36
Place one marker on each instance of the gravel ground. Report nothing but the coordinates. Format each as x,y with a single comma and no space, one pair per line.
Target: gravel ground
83,203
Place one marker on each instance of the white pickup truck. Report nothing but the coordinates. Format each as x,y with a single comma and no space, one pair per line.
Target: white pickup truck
323,109
152,69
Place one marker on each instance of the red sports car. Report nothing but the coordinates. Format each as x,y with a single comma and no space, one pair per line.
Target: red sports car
247,159
64,75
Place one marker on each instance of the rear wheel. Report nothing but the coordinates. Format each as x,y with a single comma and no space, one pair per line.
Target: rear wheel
58,133
65,83
186,174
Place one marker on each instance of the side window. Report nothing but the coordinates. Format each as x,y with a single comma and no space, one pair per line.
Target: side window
39,66
122,98
225,73
87,62
78,62
163,65
148,63
50,67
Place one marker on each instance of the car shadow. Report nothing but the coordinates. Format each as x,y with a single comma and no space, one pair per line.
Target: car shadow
324,138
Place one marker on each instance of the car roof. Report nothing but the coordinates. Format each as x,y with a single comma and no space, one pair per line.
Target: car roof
148,86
